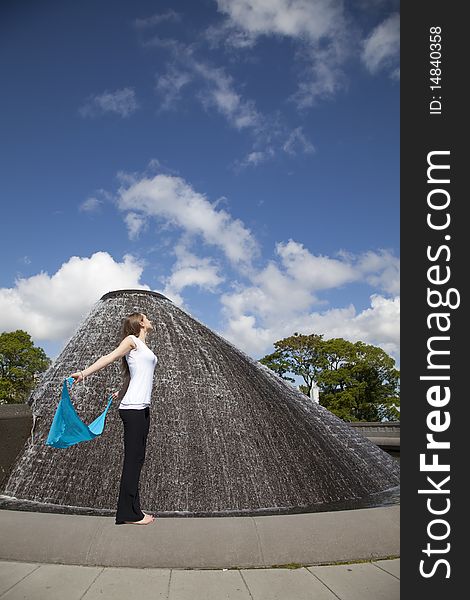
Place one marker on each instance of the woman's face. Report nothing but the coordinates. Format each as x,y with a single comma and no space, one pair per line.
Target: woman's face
146,323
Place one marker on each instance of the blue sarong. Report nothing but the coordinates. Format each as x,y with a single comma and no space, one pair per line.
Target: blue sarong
67,428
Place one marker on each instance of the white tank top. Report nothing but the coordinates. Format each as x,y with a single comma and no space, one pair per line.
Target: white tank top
142,362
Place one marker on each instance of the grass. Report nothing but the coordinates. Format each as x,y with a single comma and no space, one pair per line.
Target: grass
294,565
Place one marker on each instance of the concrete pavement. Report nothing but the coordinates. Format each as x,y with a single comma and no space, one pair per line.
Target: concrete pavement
278,557
378,580
201,542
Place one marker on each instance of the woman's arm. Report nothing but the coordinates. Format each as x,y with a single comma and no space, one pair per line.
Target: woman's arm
123,348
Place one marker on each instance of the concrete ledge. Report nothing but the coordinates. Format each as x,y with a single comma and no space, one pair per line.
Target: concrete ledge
202,543
386,435
386,442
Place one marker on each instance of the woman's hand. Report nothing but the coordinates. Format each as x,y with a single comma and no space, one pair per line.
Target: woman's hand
78,376
115,395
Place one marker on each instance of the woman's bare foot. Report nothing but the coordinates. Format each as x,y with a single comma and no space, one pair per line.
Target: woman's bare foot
145,521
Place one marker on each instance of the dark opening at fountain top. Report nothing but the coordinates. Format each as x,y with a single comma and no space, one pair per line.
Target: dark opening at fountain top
227,435
117,293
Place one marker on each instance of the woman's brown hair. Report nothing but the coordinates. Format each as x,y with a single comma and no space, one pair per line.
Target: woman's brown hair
130,326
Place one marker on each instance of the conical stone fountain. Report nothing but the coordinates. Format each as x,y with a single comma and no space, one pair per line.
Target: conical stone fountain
227,435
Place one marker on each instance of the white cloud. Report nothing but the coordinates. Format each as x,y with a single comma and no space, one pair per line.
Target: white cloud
297,142
314,272
313,19
271,137
91,204
382,270
382,46
224,33
242,114
216,89
136,223
190,270
325,33
280,297
148,22
220,93
169,86
255,158
244,334
94,203
323,74
49,307
320,27
121,102
277,301
378,325
172,199
272,293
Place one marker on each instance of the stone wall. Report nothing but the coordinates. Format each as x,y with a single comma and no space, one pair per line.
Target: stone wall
15,427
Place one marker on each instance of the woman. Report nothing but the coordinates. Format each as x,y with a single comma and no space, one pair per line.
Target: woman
138,364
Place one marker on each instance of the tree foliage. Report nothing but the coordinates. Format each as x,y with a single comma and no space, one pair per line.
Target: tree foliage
20,364
357,381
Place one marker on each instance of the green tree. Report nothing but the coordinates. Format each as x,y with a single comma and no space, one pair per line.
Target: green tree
301,355
357,381
20,364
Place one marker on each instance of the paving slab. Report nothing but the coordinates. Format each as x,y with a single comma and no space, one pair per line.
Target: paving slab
391,566
54,582
207,585
285,584
124,583
363,581
13,572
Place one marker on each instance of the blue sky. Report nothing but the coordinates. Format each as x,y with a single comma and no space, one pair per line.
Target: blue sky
240,157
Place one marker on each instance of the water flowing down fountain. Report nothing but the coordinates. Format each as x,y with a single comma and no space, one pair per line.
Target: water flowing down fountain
227,435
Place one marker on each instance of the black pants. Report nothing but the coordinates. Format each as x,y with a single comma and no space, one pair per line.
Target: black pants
136,427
